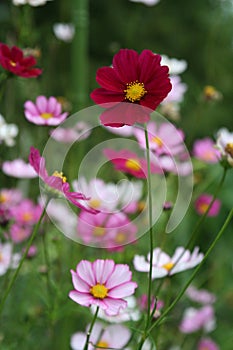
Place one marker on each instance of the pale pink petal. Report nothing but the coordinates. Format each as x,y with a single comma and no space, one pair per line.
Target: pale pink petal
159,272
117,335
41,103
81,298
114,306
140,264
51,105
79,284
78,340
102,270
123,290
31,108
85,271
121,274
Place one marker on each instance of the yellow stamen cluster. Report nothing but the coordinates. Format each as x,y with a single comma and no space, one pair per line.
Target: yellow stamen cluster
99,291
99,231
157,140
95,203
168,266
46,115
102,344
27,216
120,237
12,63
133,164
203,207
134,91
60,175
229,149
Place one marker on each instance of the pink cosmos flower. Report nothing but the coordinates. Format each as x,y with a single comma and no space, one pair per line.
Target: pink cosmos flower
177,92
201,296
143,304
202,204
19,169
206,151
80,131
129,162
26,213
132,82
7,258
9,198
163,139
207,344
196,319
46,111
56,181
111,231
110,337
19,233
102,283
164,265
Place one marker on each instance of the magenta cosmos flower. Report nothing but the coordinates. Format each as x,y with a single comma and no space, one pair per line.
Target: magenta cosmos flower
46,111
102,283
13,60
202,204
129,162
57,181
205,150
207,344
138,79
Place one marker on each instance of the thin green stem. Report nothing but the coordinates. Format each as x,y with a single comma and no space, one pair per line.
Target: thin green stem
213,244
33,235
91,327
48,276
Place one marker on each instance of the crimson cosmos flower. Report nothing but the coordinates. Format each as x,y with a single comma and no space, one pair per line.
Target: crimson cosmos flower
57,181
138,79
13,60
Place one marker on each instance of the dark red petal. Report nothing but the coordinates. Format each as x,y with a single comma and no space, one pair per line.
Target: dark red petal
148,63
125,63
16,54
101,96
28,61
108,79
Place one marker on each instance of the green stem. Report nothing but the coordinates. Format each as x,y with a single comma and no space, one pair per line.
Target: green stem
48,276
148,319
173,304
90,330
33,235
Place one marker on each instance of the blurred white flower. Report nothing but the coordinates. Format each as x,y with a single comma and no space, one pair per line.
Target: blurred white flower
225,145
7,258
18,168
30,2
175,66
64,31
7,132
147,2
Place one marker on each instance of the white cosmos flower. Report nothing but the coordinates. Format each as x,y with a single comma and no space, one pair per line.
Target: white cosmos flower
147,2
7,132
225,144
64,31
175,66
7,258
164,265
30,2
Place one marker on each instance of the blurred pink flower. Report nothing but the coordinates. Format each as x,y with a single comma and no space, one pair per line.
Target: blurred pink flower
19,169
19,233
143,304
202,203
129,162
195,319
207,344
80,131
205,150
102,283
31,252
10,197
26,213
46,111
177,92
163,139
201,296
113,336
164,265
56,181
7,258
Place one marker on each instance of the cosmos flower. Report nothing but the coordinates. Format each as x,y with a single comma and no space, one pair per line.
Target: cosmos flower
10,197
225,145
64,31
207,344
175,66
7,258
205,150
102,283
177,92
26,213
107,337
79,131
202,204
133,81
34,3
57,181
18,168
164,265
195,319
201,296
147,2
129,162
14,61
46,111
19,233
7,132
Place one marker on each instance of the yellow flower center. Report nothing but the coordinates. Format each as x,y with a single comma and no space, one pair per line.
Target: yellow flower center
46,115
27,216
99,231
1,257
209,91
168,266
133,164
95,203
3,198
229,149
157,140
141,205
99,291
120,237
60,175
12,63
134,91
203,207
208,155
102,344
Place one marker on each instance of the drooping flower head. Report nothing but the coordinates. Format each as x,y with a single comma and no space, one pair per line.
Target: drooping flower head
14,61
46,111
164,265
102,283
57,181
202,204
135,79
